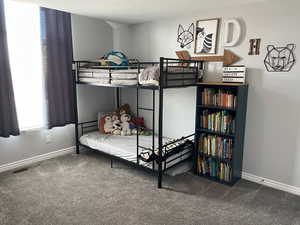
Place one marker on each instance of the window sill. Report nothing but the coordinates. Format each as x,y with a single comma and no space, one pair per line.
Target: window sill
31,129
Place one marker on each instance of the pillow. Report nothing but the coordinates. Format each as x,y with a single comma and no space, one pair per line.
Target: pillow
100,115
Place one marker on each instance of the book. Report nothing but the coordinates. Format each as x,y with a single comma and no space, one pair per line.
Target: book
212,168
234,74
241,68
213,145
221,121
220,97
233,79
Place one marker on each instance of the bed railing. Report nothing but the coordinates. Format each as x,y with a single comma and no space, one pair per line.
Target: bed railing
89,126
178,154
174,73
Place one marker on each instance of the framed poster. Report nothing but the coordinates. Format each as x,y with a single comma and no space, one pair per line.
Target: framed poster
206,36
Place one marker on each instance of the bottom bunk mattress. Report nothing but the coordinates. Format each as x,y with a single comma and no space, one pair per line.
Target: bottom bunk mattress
123,146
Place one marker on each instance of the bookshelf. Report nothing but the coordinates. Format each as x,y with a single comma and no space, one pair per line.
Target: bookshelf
220,129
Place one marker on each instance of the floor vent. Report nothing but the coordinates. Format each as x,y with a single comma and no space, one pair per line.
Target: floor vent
21,170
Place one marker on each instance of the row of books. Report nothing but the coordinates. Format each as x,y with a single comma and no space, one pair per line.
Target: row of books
216,146
218,97
221,121
214,169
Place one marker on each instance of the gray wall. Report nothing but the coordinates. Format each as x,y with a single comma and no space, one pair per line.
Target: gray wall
121,37
91,38
272,132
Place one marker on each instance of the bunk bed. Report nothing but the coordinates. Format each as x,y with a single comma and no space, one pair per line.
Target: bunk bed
156,152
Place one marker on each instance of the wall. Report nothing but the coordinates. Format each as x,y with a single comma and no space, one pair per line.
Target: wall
121,37
272,131
92,38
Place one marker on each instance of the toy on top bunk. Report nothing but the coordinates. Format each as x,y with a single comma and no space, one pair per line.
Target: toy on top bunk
115,58
150,76
172,147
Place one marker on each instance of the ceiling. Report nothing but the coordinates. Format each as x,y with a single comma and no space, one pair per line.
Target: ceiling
135,11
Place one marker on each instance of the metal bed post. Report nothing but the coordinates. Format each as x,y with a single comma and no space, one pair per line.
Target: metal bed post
137,115
138,126
75,78
153,126
118,96
160,122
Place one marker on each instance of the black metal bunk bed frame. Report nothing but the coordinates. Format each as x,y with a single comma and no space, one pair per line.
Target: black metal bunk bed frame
164,83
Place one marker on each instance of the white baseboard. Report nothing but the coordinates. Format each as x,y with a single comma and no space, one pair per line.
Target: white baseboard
271,183
35,159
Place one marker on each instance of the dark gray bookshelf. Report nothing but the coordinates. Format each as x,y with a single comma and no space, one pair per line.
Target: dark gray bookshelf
237,136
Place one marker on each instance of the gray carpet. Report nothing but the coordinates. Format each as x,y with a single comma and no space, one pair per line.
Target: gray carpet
84,190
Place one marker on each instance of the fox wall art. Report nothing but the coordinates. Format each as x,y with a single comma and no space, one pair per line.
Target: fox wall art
185,37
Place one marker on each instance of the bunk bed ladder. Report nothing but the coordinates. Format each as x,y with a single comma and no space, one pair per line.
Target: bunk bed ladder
138,108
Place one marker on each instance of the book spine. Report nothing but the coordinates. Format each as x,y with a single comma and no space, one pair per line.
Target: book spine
234,69
233,79
234,74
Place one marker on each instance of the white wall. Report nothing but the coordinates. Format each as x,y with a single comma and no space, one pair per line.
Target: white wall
272,134
92,38
121,37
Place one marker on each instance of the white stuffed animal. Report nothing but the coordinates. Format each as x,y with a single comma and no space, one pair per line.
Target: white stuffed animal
108,125
125,118
114,116
116,127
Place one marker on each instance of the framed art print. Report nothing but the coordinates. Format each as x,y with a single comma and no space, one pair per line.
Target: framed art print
206,36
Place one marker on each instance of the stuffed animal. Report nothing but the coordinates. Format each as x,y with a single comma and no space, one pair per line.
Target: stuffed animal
132,127
115,116
108,125
125,118
116,125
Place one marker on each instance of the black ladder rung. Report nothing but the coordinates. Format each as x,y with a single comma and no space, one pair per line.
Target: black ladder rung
149,129
147,109
145,148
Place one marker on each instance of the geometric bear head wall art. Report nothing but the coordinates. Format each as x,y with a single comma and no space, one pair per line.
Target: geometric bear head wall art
185,37
280,59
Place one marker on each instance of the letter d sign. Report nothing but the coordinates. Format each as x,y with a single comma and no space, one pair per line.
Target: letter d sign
236,32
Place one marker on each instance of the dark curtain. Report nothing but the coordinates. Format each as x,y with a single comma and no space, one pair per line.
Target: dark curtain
8,115
56,35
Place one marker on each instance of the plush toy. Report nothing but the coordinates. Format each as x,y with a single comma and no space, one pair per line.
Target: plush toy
132,127
108,125
125,118
114,116
123,109
117,59
116,124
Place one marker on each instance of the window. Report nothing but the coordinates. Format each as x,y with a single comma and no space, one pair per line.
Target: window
24,44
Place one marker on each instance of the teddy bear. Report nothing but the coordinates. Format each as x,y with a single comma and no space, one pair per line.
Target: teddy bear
116,125
108,125
125,118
